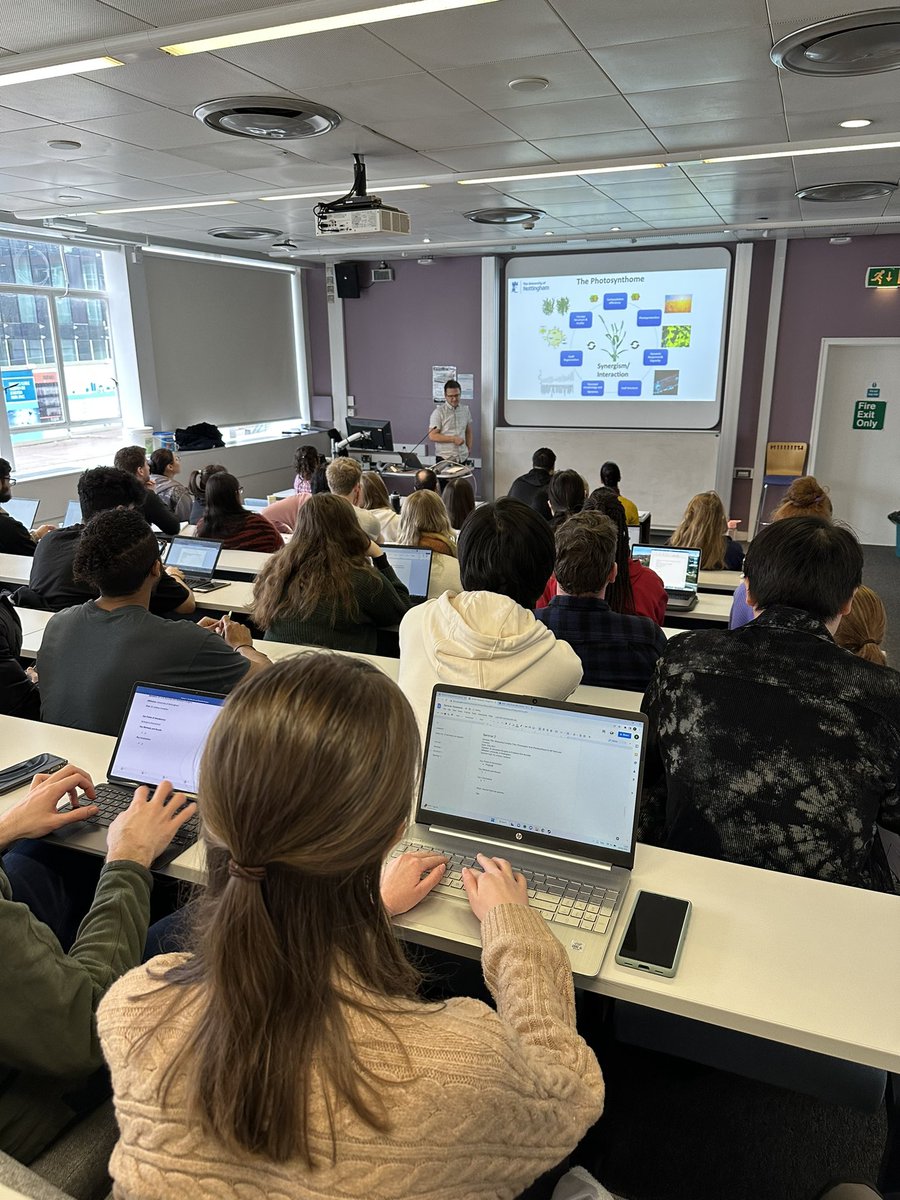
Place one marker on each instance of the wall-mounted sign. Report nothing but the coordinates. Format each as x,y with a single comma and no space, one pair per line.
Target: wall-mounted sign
869,414
882,277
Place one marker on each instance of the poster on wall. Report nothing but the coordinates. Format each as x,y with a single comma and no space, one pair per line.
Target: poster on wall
439,376
466,382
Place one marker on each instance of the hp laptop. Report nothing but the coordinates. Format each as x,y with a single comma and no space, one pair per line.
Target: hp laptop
552,787
73,514
413,567
678,569
162,737
197,558
23,511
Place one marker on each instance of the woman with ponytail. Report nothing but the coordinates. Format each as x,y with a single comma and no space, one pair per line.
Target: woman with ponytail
288,1052
862,630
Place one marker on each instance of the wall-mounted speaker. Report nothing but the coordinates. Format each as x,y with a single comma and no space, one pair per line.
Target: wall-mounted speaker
346,277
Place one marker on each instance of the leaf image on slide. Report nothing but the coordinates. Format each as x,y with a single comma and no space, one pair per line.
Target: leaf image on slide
615,335
554,337
547,307
675,337
562,306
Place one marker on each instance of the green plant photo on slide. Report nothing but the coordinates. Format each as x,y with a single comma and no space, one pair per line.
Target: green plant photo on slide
676,337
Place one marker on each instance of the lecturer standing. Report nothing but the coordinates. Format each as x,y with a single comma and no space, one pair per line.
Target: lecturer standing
450,427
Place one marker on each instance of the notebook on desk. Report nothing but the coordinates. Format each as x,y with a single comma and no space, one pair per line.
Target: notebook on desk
552,787
412,565
21,510
162,737
678,568
197,558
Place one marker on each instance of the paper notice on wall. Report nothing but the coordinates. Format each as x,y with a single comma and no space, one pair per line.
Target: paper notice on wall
439,376
467,386
891,843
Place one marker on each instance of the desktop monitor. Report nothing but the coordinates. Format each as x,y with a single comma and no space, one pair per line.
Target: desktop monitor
377,434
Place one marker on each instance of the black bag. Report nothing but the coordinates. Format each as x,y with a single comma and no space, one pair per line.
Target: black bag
202,436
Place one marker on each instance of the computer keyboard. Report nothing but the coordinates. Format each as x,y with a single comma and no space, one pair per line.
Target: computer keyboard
560,900
112,800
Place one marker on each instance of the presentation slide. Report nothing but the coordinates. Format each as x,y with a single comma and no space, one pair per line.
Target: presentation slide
617,340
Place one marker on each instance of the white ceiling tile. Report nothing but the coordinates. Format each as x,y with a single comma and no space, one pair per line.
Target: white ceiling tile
547,197
602,114
172,12
442,133
612,24
572,76
304,63
800,13
825,123
34,142
627,225
854,95
184,81
144,164
126,189
377,100
677,185
827,167
708,136
66,174
298,174
158,129
600,145
480,35
10,119
216,183
707,102
61,23
653,201
598,207
72,99
235,154
771,172
486,158
689,60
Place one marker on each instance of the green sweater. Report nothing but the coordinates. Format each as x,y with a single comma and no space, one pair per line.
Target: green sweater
382,600
48,1037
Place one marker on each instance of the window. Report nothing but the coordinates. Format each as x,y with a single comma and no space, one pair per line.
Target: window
56,355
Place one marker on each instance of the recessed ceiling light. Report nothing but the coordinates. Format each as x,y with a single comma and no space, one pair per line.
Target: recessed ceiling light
848,192
64,144
267,118
503,216
426,239
69,197
272,33
841,239
529,83
856,123
244,233
57,69
615,229
862,43
548,233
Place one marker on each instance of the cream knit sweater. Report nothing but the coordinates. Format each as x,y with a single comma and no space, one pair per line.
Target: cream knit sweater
489,1101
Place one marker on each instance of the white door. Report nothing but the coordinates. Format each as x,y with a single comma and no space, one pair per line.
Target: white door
855,448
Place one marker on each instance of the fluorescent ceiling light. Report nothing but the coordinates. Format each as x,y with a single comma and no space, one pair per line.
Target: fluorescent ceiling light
57,69
376,188
856,123
369,16
231,260
801,153
155,208
562,174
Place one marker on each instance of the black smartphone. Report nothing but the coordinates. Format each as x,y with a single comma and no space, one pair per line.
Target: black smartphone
21,772
655,934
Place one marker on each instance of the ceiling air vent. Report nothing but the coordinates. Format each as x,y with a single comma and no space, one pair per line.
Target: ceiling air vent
267,118
244,233
861,44
504,216
847,193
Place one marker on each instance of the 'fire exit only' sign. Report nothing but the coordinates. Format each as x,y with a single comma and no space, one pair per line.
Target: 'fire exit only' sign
869,414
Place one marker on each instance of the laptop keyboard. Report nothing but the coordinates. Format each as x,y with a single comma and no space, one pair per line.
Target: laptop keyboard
560,900
112,800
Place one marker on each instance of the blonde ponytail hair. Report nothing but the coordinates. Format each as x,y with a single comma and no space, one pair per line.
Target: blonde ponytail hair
862,630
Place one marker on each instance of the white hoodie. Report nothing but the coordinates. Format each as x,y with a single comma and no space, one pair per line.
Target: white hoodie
481,640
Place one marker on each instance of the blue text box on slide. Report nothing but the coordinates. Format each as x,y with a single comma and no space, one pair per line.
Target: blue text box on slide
629,387
570,358
615,300
656,358
581,320
592,387
649,316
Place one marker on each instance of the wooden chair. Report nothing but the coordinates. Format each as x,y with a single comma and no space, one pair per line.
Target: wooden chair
785,462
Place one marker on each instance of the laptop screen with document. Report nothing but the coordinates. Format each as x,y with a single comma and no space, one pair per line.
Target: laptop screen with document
194,556
535,772
679,569
163,736
412,565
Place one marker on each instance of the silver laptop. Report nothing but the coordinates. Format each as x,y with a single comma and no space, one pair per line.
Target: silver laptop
73,514
412,565
197,558
552,787
679,569
162,737
23,511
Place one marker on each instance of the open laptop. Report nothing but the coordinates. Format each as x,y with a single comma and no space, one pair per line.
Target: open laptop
197,558
411,461
413,567
162,737
678,569
23,511
73,514
552,787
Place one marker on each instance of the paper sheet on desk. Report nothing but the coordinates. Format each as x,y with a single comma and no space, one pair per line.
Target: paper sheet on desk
891,843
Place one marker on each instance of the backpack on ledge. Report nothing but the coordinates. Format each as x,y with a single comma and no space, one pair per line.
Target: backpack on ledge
202,436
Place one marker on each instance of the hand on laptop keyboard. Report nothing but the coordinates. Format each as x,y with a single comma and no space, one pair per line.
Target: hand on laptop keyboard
148,825
408,878
496,883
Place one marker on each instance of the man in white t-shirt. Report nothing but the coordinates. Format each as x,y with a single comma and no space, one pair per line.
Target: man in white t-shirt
450,427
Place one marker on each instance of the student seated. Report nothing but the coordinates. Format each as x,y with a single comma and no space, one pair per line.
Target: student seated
306,462
459,501
51,1067
566,493
92,655
611,477
227,521
374,499
344,478
19,696
283,513
531,488
862,629
424,522
133,459
321,590
616,651
704,527
770,745
288,1050
14,537
197,482
53,585
165,465
486,636
426,480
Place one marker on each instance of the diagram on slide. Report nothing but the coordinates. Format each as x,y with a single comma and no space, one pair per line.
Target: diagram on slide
654,335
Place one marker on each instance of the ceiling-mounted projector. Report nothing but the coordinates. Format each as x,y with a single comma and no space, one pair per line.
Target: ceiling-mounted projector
358,214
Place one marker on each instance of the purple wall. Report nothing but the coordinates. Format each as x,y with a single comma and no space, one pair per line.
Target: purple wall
395,332
320,361
825,296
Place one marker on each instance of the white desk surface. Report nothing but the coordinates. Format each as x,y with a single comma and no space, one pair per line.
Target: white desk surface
798,961
248,562
711,606
15,568
719,581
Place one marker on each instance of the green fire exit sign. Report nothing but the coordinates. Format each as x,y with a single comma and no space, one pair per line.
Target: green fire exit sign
869,414
882,277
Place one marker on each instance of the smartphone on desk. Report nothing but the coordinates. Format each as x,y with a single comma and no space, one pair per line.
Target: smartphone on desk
655,934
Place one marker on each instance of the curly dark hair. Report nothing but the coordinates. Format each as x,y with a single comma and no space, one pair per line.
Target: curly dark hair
305,461
102,488
116,552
